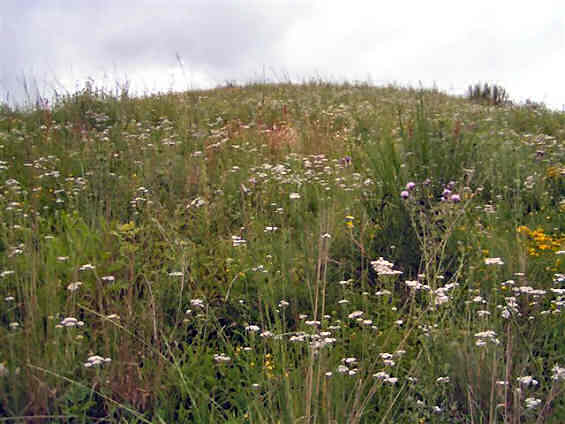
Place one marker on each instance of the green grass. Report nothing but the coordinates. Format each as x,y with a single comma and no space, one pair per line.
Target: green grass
225,245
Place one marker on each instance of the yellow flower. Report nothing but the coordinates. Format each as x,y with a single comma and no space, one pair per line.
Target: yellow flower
522,229
349,221
553,172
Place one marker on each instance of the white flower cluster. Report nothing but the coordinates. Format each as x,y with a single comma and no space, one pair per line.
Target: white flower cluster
527,380
511,307
558,373
532,403
348,366
486,336
384,267
385,378
416,285
74,286
494,261
221,358
95,360
70,322
238,241
441,293
86,267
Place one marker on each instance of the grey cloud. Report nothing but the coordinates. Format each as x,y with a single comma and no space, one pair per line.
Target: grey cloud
219,37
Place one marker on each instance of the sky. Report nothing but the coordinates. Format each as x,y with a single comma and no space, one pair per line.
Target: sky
56,46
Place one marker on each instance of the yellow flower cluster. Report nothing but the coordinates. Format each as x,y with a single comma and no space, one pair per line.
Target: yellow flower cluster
269,365
538,242
555,172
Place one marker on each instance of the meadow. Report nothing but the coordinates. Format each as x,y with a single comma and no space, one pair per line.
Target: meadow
278,253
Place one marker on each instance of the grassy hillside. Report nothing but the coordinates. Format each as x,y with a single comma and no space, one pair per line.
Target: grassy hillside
282,254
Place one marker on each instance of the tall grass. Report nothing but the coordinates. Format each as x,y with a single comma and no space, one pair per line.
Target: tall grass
213,256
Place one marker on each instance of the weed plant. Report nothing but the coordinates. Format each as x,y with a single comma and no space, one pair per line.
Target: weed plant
310,253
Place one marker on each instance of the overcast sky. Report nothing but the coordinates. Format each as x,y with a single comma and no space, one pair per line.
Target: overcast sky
179,44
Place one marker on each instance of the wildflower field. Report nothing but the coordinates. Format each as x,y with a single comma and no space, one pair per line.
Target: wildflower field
280,253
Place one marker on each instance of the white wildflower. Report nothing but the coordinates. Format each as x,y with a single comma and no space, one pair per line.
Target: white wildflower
71,322
95,360
221,358
74,286
381,375
238,241
532,403
384,267
197,303
527,380
342,369
558,373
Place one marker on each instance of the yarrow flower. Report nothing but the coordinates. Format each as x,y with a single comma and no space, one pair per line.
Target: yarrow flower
384,267
238,241
221,358
486,336
558,373
86,267
532,403
494,261
527,380
342,369
95,360
283,304
197,303
71,322
74,286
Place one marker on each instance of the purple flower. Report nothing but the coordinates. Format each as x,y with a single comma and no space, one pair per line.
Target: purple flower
404,194
410,186
346,161
455,198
